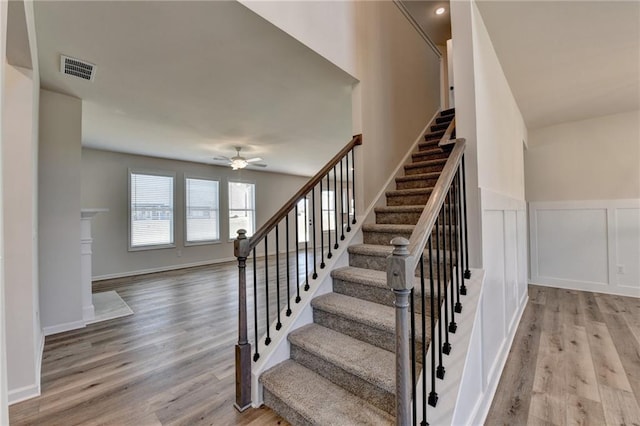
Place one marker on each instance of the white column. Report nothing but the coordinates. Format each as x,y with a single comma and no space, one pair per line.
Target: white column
86,242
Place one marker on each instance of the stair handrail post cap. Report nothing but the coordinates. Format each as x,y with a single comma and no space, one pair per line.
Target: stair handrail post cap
399,274
241,244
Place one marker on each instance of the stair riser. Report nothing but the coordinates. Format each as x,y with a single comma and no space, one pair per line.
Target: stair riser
423,169
378,263
384,238
425,146
369,392
414,184
398,218
442,120
401,218
439,127
284,410
380,338
383,296
429,155
434,136
407,200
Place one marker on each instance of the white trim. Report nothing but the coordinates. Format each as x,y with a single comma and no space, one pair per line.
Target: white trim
23,393
481,409
61,328
610,208
162,269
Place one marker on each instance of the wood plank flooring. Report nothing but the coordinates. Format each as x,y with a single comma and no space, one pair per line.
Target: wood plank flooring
575,360
170,363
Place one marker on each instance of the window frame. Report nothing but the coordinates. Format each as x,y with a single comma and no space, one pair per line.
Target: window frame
331,213
186,242
229,209
150,172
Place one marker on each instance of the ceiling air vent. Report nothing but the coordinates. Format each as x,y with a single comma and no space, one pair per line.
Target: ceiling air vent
77,68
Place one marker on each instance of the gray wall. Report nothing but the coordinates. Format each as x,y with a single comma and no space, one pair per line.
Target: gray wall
105,185
59,211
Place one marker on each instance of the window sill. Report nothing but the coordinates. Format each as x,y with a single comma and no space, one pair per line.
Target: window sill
201,243
154,247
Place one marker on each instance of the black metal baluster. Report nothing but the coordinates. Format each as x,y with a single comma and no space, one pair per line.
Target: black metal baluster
278,324
266,286
297,259
353,187
463,287
452,325
341,203
288,313
335,207
433,396
440,370
306,244
256,355
423,349
446,347
459,278
322,265
348,199
413,354
315,241
329,255
467,271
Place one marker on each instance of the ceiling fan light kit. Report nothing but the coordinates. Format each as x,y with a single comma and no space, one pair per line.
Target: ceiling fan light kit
239,162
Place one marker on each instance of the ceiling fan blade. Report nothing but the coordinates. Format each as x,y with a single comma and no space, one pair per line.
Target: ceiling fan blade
252,160
221,158
256,165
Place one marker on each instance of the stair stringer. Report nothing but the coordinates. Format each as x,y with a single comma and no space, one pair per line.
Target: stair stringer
279,349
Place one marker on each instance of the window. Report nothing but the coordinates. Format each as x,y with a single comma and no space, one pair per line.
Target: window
201,210
302,221
328,211
151,210
242,208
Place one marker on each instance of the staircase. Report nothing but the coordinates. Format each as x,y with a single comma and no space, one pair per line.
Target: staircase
342,366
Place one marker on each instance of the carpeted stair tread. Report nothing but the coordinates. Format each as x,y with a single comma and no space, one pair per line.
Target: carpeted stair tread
434,136
399,209
372,314
387,228
363,360
447,112
420,176
315,400
368,277
425,163
408,192
445,119
433,153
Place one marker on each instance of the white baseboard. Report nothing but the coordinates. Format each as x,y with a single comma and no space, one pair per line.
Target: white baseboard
161,269
23,393
61,328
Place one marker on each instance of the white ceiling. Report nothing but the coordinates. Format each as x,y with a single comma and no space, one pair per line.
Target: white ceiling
191,80
567,60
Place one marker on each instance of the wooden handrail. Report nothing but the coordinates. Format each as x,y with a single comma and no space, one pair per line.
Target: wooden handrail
243,250
446,138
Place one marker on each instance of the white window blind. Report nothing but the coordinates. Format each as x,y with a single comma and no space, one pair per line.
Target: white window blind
151,204
202,212
303,220
242,210
328,211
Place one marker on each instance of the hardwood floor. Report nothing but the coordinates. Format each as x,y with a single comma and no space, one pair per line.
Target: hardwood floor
575,360
172,362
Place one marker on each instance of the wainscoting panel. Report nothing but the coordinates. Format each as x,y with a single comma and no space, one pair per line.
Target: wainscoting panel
586,245
504,296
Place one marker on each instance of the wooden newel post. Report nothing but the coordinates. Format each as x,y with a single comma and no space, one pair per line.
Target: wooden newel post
400,280
243,348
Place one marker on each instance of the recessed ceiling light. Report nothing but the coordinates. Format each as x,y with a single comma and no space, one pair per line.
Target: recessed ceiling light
440,10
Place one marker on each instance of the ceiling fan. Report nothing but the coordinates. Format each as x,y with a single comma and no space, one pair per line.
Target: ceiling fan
239,162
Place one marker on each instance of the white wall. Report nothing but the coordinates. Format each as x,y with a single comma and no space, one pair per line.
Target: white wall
593,159
399,74
586,245
488,116
4,411
59,212
105,183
